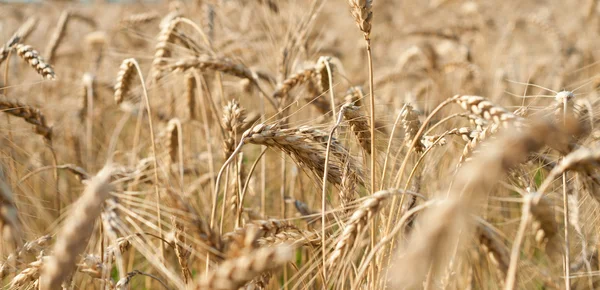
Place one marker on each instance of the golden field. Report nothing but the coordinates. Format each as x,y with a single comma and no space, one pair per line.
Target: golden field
300,144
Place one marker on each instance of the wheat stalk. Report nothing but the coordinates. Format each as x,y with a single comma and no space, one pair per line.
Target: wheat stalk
190,96
57,36
10,227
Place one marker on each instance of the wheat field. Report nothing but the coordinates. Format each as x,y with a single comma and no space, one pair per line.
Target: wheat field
300,144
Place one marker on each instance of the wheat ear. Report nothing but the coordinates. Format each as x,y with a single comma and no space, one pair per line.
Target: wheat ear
19,36
233,119
31,273
30,114
124,79
205,62
363,15
73,236
173,140
234,273
38,244
494,248
292,81
357,222
359,124
31,56
411,125
488,110
140,18
181,250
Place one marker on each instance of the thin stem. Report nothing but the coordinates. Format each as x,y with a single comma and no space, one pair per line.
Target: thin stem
13,162
155,159
246,183
567,261
405,162
324,193
387,151
55,175
331,93
516,248
375,250
373,153
372,108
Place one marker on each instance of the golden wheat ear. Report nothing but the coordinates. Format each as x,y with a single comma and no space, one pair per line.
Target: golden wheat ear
235,273
124,80
33,58
74,234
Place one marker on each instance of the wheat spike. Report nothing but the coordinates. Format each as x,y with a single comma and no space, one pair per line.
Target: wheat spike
19,36
181,250
173,140
205,62
140,18
295,238
190,95
304,146
494,248
31,56
363,15
545,226
36,245
359,124
162,50
29,274
292,81
76,231
357,223
30,114
234,273
12,42
488,110
233,120
322,73
411,125
124,80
